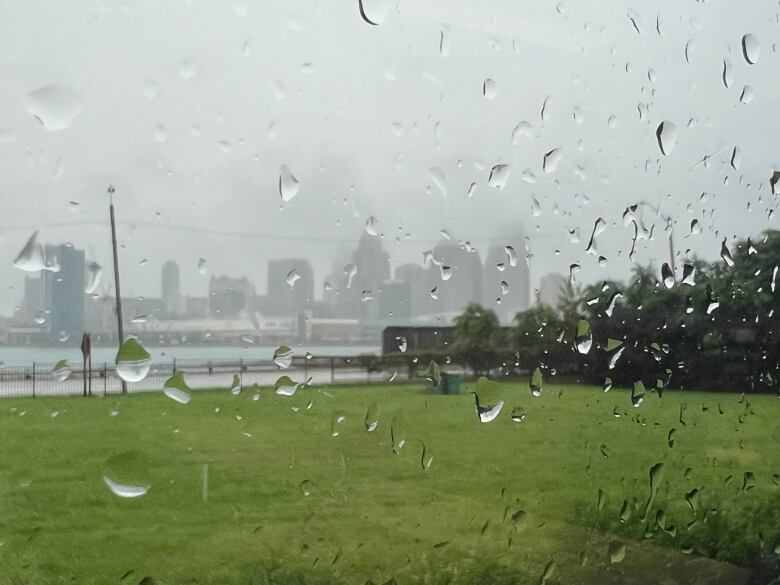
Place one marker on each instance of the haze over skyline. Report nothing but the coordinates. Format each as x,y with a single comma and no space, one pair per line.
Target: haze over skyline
191,119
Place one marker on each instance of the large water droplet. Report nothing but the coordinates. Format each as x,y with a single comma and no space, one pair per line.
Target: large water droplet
32,258
235,387
292,277
288,184
132,361
402,344
667,276
444,41
61,371
127,474
54,106
499,175
94,275
176,388
551,160
426,457
373,11
667,137
689,275
751,49
489,89
285,386
372,417
725,254
489,412
371,224
536,382
583,337
617,552
283,357
511,255
638,393
438,178
747,95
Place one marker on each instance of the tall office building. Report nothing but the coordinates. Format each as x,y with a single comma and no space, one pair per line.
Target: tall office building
33,302
550,289
171,292
229,296
284,299
63,291
514,296
464,284
373,268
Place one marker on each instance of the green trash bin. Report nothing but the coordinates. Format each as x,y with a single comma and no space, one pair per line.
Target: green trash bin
451,383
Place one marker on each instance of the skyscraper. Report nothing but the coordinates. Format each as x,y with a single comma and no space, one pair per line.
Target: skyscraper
63,291
229,296
171,293
373,268
550,289
514,295
284,299
464,284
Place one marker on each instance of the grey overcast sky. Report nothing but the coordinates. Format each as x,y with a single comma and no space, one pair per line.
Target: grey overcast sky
190,109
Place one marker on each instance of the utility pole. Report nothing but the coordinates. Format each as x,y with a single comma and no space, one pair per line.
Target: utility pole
120,328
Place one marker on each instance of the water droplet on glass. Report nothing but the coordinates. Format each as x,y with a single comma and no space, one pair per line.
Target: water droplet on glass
489,89
504,287
489,412
55,107
235,387
61,371
127,475
617,552
372,417
583,338
371,223
747,95
726,75
637,393
518,414
426,457
438,178
667,137
725,254
283,357
350,270
446,272
751,49
285,386
94,275
695,227
736,158
689,275
292,277
434,293
397,433
373,11
551,160
132,361
536,382
607,385
32,258
523,128
402,345
288,184
499,175
667,276
202,266
444,40
176,388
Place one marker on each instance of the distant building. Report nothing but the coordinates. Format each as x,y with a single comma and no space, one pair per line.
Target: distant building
229,296
372,266
395,300
550,289
464,284
63,291
170,290
283,299
196,307
420,284
514,297
33,301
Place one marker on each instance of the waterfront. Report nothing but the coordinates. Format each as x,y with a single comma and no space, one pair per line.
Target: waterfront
26,355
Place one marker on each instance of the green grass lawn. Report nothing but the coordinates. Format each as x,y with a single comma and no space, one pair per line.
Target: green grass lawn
500,502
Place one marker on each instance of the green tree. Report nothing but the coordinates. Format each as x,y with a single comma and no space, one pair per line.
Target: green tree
477,339
536,338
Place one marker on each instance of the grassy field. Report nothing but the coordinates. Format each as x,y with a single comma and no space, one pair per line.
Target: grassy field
245,491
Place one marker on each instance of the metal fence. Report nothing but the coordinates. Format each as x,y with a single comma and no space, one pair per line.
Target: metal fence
38,379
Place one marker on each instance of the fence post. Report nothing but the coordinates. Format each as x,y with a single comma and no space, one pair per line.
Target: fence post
332,370
174,366
33,379
105,379
241,373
